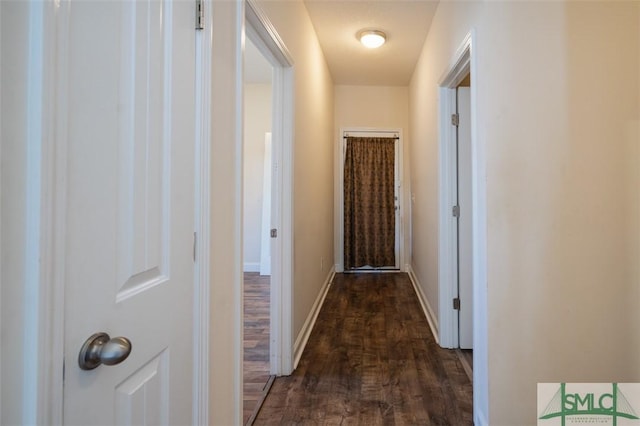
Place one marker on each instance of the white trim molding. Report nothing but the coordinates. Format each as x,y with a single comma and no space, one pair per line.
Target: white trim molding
424,303
202,229
339,193
309,323
43,309
266,32
447,173
265,37
464,61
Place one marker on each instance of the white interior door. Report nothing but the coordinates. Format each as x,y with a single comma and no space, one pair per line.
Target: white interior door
465,230
130,208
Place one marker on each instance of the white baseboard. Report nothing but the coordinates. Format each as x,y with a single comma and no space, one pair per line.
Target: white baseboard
303,336
424,302
251,267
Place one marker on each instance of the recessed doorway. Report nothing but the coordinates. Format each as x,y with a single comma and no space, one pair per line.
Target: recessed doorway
472,267
369,198
268,232
257,160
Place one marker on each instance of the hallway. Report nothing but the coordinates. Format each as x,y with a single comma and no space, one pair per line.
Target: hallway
371,359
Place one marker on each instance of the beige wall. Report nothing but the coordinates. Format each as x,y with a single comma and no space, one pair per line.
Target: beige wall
313,154
636,213
257,121
371,106
382,107
557,112
225,345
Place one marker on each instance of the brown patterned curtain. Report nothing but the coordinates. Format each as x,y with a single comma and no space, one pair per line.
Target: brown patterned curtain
369,204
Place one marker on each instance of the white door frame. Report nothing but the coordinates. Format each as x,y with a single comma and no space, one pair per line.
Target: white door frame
339,191
265,37
44,296
202,221
463,62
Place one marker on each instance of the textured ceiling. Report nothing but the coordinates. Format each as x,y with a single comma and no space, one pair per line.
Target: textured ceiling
406,24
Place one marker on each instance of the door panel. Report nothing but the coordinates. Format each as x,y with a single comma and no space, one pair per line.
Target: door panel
130,201
140,395
465,230
144,144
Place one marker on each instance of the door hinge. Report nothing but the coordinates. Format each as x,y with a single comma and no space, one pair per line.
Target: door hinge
455,211
456,303
195,239
199,15
455,119
274,233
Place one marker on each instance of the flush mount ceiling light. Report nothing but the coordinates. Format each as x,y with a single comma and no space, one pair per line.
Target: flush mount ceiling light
372,38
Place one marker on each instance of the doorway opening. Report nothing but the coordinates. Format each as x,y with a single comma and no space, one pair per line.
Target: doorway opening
462,237
256,225
369,226
267,207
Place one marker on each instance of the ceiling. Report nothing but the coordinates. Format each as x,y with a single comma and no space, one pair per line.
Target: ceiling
406,23
336,22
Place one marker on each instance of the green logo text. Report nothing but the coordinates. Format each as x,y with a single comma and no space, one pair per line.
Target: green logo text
613,404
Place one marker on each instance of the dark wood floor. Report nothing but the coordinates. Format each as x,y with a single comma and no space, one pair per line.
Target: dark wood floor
256,340
371,359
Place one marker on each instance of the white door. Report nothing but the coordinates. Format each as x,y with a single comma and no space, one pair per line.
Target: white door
465,230
130,196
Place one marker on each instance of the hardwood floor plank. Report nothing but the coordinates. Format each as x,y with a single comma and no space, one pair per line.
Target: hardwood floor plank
256,341
371,359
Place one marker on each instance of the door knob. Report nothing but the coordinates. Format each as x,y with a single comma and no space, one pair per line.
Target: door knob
100,348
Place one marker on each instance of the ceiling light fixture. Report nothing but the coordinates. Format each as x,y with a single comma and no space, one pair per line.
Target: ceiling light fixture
372,39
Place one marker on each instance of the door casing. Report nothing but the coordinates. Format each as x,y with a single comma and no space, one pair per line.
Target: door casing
339,192
266,39
463,62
